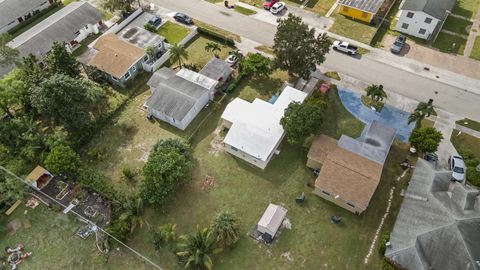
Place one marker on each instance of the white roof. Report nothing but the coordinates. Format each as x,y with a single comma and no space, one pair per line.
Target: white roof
272,218
197,78
256,128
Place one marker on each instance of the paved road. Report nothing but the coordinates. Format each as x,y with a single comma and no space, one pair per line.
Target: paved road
449,98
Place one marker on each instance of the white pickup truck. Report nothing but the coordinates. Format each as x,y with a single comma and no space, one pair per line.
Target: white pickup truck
345,47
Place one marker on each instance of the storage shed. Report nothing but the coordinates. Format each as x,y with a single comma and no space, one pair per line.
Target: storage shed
271,220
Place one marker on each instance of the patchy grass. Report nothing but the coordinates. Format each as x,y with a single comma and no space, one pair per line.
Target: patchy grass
106,15
333,74
469,123
450,44
476,49
466,8
456,25
220,31
265,49
321,7
356,30
362,51
426,123
244,11
369,102
263,88
173,32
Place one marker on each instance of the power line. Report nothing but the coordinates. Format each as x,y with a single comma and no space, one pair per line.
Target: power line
80,216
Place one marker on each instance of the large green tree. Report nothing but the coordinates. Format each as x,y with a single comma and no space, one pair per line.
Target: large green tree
11,189
296,47
125,6
22,137
256,65
12,92
424,109
178,53
60,61
63,159
300,121
196,250
225,228
169,163
8,56
426,139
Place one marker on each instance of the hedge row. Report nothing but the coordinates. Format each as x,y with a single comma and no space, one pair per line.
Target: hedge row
215,35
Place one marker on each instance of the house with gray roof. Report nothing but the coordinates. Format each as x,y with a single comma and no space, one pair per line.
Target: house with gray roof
15,12
438,226
424,18
178,97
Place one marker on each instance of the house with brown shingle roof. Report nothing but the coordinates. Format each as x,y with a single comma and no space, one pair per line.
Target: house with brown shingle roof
350,171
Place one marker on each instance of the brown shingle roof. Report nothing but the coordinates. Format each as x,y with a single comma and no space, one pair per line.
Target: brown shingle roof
114,55
321,146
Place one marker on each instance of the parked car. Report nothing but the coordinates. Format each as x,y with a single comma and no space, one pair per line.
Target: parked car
183,18
397,46
269,3
155,21
231,60
345,47
457,165
277,7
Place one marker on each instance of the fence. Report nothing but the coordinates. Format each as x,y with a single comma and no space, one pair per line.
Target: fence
117,27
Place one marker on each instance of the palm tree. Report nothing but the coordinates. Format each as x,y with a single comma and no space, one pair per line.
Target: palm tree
196,250
225,228
212,47
178,53
376,92
424,109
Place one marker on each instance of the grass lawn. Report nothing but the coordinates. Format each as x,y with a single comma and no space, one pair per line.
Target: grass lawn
263,88
353,29
220,31
426,123
320,6
244,11
333,74
259,3
198,55
465,142
466,8
457,25
84,44
173,32
450,44
266,49
469,123
476,49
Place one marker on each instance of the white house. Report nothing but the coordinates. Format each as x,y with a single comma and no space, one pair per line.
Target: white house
14,12
424,18
254,128
177,98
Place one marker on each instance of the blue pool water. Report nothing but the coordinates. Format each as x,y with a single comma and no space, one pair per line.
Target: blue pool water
273,99
389,115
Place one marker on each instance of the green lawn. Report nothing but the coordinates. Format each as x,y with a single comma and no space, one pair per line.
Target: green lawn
476,49
320,6
173,32
457,25
353,29
469,123
450,44
198,55
244,11
466,8
466,142
263,88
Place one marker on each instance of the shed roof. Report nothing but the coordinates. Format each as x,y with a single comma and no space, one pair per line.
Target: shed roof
216,69
435,8
370,6
10,10
33,176
115,56
272,218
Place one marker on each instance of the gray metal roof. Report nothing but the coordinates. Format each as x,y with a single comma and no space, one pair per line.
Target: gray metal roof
173,95
374,145
216,69
435,8
10,10
438,224
370,6
60,27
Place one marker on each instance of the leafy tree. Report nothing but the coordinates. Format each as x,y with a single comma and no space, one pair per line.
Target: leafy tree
297,49
225,228
125,6
424,109
376,92
12,92
257,65
169,163
22,137
96,75
151,51
59,61
426,139
178,53
8,56
196,250
301,120
212,47
11,189
63,159
319,100
165,235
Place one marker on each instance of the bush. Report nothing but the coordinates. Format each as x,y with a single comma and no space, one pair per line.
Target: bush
150,27
97,182
425,139
217,36
128,174
95,74
231,87
383,243
62,159
121,226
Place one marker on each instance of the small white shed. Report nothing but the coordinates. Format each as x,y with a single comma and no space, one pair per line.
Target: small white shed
272,219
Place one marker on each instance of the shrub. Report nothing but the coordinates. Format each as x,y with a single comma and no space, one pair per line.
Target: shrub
128,174
97,182
231,87
383,243
150,27
425,139
62,159
217,36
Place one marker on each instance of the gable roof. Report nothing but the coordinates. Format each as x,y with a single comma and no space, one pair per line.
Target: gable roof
60,27
10,10
370,6
216,69
272,218
174,95
321,146
115,56
435,8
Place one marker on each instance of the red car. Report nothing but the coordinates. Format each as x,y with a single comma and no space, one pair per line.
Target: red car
269,3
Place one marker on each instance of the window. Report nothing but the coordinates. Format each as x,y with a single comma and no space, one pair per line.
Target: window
134,68
410,15
326,193
145,59
428,20
114,78
77,33
345,9
350,204
127,75
422,31
364,14
233,148
405,25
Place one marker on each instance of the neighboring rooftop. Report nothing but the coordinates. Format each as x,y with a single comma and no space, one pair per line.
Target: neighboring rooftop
370,6
60,27
10,10
140,37
256,128
438,226
115,56
435,8
216,69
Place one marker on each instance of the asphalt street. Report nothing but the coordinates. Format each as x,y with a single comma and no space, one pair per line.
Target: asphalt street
409,84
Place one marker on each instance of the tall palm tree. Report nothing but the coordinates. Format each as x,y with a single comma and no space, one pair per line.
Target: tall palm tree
376,92
225,228
196,250
178,53
424,109
212,47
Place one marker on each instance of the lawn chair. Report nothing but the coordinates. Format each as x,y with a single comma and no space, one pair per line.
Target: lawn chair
300,199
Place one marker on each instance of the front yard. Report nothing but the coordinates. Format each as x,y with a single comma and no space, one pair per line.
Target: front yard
450,44
476,49
173,32
356,30
466,8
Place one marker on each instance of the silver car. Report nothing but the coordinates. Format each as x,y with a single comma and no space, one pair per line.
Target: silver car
397,46
457,165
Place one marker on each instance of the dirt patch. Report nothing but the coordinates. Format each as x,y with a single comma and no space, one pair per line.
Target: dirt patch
207,183
217,144
13,226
